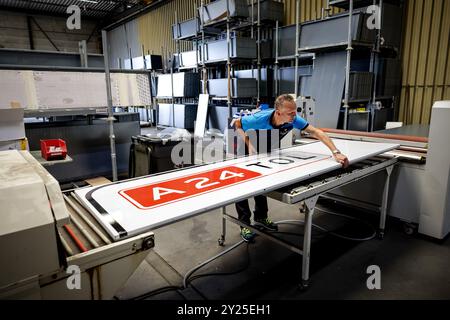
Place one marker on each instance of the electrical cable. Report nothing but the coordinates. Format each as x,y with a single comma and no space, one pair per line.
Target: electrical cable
188,274
188,278
158,291
199,293
298,234
372,236
244,267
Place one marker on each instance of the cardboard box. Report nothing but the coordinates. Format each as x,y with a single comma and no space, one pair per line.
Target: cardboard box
11,124
21,144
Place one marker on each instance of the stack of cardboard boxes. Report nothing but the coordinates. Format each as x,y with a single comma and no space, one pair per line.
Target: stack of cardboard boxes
12,129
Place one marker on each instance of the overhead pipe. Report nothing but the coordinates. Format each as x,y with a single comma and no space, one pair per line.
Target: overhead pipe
377,135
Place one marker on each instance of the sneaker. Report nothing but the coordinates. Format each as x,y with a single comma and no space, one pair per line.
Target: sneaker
247,235
266,224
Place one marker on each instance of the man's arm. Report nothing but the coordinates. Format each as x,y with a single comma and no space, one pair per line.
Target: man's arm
240,131
322,136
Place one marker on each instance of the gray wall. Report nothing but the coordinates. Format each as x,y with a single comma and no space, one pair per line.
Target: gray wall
120,40
14,33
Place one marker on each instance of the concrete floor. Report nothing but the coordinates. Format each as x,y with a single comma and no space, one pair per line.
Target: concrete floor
412,267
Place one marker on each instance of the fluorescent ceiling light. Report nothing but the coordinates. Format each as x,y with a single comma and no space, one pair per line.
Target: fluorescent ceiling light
90,1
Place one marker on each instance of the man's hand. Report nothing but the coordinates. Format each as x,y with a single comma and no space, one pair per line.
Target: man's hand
319,134
342,159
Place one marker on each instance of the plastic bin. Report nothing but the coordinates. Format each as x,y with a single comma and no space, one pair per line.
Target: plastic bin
151,153
53,149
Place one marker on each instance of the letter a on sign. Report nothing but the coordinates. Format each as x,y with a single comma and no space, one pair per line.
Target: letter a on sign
165,191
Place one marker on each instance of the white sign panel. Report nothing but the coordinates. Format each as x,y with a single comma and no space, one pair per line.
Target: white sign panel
130,207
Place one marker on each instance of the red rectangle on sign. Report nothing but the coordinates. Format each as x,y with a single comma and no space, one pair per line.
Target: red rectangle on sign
164,192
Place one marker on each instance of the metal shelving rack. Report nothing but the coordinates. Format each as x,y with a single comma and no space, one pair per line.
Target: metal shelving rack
232,24
350,46
296,57
375,53
214,29
170,58
209,31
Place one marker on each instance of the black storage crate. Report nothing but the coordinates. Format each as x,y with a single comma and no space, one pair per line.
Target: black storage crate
152,154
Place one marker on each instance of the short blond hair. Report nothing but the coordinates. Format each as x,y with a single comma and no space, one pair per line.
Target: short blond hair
282,99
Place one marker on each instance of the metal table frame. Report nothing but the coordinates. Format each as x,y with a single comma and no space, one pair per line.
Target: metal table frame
308,196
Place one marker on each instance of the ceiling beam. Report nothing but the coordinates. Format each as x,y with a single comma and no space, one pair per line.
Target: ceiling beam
133,13
56,5
44,13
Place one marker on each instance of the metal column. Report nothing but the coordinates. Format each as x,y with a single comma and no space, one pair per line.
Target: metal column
82,49
258,43
347,70
203,56
111,118
309,212
276,59
224,227
373,58
171,86
384,201
230,110
297,31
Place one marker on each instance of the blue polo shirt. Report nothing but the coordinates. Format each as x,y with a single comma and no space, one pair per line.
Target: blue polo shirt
263,121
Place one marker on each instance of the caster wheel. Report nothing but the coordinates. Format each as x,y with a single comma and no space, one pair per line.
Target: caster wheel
303,286
221,242
409,229
381,235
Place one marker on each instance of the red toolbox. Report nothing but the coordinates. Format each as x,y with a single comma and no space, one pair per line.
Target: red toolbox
53,149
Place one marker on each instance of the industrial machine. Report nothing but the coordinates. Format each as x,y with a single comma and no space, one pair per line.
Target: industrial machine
86,242
306,108
420,184
123,208
50,247
101,234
